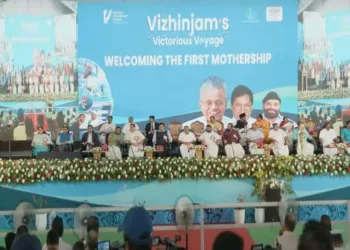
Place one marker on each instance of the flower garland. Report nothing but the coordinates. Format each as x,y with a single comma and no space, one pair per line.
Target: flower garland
260,168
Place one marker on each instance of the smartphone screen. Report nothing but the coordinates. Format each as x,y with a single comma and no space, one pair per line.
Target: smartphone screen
104,245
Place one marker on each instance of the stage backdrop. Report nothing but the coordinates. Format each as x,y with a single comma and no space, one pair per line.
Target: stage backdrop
154,57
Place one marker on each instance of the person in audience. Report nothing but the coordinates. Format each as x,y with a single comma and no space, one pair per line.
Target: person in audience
345,133
9,238
242,103
19,133
212,101
211,140
162,138
137,228
23,229
326,220
315,237
26,242
115,139
231,141
264,126
91,240
300,135
79,245
93,229
108,127
57,226
288,240
215,125
126,127
135,139
228,240
65,140
187,140
279,139
150,129
254,137
52,241
90,139
41,142
327,138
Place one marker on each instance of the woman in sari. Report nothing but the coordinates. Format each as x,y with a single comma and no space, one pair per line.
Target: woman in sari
288,126
41,142
264,126
301,135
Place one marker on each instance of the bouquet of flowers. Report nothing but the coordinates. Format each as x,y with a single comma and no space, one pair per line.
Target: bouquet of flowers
96,149
341,145
148,149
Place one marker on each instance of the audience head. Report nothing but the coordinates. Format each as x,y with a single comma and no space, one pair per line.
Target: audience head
90,128
137,227
208,128
289,222
52,240
93,224
22,230
315,236
152,118
326,220
26,242
79,245
228,241
57,226
9,238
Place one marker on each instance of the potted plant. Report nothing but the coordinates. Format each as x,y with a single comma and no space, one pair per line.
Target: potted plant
40,218
239,213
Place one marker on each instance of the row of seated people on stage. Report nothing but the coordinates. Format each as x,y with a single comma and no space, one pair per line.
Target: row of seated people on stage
237,140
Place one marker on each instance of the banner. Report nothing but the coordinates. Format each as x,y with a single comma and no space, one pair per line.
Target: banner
187,61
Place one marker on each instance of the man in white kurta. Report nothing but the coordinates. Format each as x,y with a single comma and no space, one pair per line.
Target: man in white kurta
135,138
279,139
327,137
254,136
126,127
211,140
108,127
187,139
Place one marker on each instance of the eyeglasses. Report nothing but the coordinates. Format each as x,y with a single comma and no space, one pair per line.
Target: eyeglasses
218,103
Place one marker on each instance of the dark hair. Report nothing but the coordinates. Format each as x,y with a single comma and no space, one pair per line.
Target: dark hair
132,125
20,115
260,116
152,117
326,221
118,127
228,240
161,124
93,224
110,117
208,126
241,90
315,237
52,238
57,226
272,95
23,229
289,223
9,238
90,126
79,245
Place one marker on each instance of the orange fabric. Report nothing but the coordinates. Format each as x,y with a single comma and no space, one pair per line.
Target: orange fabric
265,128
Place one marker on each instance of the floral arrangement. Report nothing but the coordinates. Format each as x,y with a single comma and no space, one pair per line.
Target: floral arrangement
96,149
260,168
342,145
40,97
148,149
39,202
200,147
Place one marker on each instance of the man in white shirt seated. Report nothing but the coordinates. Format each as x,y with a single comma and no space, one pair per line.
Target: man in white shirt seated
57,226
108,127
126,127
279,139
288,240
211,140
161,139
187,139
135,139
328,137
254,137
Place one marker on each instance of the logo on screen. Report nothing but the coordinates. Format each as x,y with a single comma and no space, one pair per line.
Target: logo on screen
107,16
116,17
250,16
274,14
191,25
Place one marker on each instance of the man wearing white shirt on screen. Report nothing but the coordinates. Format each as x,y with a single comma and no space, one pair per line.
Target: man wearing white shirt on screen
126,127
213,101
187,139
211,140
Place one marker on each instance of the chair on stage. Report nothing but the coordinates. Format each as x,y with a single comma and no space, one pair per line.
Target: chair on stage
175,128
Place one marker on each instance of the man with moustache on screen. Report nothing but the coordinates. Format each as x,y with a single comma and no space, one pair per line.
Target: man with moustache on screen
213,101
242,103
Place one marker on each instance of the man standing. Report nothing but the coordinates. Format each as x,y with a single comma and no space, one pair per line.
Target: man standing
135,138
279,139
216,126
150,129
242,103
242,122
213,101
211,140
115,139
162,138
90,139
126,127
231,140
108,127
187,140
327,138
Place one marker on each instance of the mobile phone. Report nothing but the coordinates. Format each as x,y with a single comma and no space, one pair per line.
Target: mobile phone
104,245
257,247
